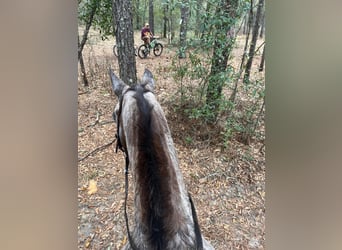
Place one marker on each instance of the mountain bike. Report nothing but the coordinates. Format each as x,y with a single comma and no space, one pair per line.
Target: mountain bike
145,49
115,50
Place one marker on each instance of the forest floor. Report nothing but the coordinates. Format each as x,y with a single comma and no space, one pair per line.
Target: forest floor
227,183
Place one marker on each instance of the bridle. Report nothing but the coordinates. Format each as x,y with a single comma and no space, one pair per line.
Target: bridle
124,150
199,243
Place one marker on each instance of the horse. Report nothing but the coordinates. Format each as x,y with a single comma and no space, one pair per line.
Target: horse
164,214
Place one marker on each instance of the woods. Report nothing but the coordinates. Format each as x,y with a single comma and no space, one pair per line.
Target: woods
204,26
210,80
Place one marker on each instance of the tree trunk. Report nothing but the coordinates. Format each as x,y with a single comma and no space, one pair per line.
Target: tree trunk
233,95
250,19
205,21
183,28
122,11
137,14
244,30
143,14
254,40
151,16
84,40
199,6
262,30
222,49
171,22
261,67
165,20
83,71
87,28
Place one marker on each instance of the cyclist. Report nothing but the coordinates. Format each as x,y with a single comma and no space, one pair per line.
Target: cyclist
146,34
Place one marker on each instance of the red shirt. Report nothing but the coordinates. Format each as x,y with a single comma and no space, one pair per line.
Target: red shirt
145,32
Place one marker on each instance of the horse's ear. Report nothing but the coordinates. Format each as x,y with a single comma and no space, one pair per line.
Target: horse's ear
117,84
148,80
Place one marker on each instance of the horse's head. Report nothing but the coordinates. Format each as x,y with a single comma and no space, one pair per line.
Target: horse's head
120,88
125,93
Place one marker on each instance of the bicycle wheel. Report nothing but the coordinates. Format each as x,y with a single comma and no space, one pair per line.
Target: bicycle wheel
158,49
143,51
115,50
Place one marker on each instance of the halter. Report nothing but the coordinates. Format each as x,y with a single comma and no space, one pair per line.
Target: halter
199,243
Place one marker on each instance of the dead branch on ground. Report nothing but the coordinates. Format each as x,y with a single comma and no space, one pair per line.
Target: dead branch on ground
97,150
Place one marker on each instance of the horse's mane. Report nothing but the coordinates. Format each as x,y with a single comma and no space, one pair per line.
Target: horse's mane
158,216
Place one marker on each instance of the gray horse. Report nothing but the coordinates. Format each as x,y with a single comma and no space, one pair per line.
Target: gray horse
164,215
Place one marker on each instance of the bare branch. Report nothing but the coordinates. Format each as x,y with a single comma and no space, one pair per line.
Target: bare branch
97,150
82,93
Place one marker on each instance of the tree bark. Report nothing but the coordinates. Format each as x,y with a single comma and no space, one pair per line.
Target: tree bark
136,12
183,28
84,40
254,40
83,71
244,26
87,28
262,30
151,16
171,23
249,22
199,6
244,55
122,11
261,67
222,48
165,20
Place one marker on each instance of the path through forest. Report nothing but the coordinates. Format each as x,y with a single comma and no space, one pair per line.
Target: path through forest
227,184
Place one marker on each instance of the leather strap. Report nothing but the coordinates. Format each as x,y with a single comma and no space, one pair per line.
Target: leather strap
130,239
199,242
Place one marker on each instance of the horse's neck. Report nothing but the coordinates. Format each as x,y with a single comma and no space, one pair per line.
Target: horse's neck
176,211
176,184
173,183
173,167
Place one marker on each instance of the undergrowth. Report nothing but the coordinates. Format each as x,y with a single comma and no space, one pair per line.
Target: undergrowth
240,119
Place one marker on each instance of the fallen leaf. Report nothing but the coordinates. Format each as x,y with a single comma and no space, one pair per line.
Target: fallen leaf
87,243
203,180
92,188
262,194
124,241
